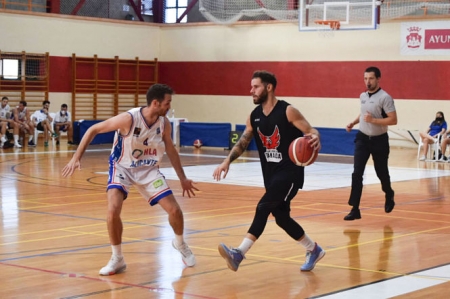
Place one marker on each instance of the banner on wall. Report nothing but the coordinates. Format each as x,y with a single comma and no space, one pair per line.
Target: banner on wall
425,38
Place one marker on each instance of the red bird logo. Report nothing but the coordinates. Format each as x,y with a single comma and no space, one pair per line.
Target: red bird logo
272,141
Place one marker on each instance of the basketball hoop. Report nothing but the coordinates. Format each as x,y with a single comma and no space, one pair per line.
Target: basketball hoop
327,28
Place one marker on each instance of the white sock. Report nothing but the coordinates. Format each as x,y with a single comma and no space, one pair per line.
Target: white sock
179,239
3,139
117,250
245,245
307,243
16,139
30,138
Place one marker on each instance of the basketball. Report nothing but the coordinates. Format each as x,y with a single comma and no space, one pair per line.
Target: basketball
301,153
198,143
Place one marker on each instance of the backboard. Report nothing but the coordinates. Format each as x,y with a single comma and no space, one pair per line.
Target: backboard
351,15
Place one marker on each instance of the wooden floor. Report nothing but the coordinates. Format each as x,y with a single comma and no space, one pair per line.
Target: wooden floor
54,238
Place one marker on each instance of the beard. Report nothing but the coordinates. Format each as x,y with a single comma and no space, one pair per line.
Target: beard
261,98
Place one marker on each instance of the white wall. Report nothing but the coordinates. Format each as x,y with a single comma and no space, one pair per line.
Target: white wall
269,41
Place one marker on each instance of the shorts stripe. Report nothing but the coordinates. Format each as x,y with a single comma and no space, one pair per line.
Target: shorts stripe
287,195
157,197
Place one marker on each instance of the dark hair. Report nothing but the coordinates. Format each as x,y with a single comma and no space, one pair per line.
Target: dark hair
24,103
45,102
266,78
375,70
435,122
64,106
5,98
158,92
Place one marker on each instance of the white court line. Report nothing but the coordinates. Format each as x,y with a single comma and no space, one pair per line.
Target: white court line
321,175
397,286
318,176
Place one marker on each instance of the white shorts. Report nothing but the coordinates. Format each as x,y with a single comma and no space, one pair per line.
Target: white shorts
150,183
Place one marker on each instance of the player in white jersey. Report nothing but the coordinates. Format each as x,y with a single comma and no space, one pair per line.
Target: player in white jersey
43,121
22,119
142,136
63,122
5,121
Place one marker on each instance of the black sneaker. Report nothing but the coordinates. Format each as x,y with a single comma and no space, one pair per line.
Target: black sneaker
389,203
31,143
7,145
354,214
57,142
70,143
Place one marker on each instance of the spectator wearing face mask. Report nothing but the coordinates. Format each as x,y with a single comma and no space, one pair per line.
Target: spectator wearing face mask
63,122
438,126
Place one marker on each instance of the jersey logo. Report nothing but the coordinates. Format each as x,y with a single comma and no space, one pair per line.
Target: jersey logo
137,153
137,132
271,144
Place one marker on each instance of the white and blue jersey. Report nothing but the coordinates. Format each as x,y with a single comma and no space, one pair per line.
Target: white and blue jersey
135,158
142,146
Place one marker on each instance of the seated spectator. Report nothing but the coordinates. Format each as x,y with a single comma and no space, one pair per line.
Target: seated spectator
444,142
438,126
43,121
7,123
22,121
63,122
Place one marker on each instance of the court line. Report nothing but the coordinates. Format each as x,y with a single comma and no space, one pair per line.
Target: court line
394,286
104,280
420,219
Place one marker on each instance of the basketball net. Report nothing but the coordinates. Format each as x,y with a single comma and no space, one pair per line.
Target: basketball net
327,28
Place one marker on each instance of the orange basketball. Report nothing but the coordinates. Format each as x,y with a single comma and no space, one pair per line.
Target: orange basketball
301,152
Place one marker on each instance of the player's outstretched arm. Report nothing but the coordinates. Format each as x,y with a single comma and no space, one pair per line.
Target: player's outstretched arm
120,122
186,184
237,150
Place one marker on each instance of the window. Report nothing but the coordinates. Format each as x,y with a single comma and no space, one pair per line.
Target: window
174,9
147,7
9,68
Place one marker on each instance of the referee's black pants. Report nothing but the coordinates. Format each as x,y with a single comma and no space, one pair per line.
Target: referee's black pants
378,147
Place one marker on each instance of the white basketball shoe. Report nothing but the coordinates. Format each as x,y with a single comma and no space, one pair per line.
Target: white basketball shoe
186,253
115,265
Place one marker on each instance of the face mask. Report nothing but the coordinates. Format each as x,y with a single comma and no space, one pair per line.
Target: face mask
439,118
63,113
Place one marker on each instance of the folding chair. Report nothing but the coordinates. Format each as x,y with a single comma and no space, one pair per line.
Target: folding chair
433,151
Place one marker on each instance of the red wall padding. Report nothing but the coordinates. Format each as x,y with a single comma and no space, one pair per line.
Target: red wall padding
421,80
60,74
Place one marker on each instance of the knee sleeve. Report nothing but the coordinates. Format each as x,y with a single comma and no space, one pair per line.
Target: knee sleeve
289,225
260,220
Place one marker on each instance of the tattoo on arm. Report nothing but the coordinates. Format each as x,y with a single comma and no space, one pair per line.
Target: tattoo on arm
240,146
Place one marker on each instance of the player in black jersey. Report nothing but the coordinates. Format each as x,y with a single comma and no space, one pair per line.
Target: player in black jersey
274,124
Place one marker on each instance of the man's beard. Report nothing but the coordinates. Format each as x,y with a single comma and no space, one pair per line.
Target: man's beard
261,99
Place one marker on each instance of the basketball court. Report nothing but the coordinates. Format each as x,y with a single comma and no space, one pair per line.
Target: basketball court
54,238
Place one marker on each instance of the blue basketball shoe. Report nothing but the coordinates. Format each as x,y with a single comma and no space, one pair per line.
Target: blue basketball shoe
233,256
312,257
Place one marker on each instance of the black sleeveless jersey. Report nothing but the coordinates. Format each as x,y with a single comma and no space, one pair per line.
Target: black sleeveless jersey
273,135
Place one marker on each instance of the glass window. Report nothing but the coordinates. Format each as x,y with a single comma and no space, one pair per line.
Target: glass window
174,9
171,3
10,68
171,15
147,7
